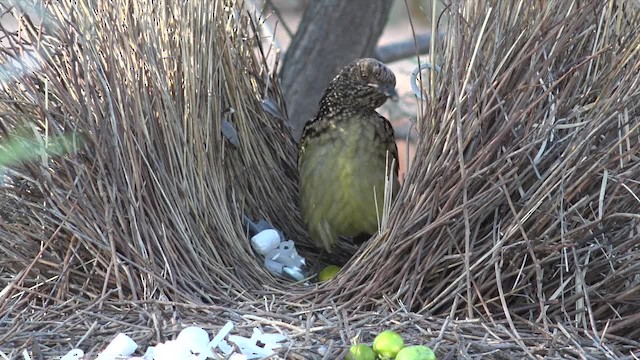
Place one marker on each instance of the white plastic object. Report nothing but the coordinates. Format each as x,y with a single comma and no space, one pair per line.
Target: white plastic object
225,347
249,347
264,225
150,353
74,354
237,356
121,346
414,78
271,341
230,133
172,350
274,267
25,353
293,273
265,241
196,340
222,333
287,255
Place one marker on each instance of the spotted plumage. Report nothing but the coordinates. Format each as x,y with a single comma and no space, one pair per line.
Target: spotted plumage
343,153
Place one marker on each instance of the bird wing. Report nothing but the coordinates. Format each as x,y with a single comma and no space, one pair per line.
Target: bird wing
389,139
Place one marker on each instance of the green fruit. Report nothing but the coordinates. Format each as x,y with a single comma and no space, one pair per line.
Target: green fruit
387,344
328,273
361,352
416,352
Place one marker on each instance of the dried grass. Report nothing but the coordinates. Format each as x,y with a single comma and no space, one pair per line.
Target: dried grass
519,214
523,203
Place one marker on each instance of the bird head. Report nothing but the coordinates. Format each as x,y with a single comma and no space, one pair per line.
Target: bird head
366,83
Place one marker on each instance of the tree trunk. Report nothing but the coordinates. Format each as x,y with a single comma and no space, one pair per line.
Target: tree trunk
332,34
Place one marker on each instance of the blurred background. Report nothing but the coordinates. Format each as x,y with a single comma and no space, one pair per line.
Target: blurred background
395,24
282,19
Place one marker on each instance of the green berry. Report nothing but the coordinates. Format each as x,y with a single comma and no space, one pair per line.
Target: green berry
416,352
361,352
387,344
328,273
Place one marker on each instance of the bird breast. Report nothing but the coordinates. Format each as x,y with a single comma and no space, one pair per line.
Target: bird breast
342,174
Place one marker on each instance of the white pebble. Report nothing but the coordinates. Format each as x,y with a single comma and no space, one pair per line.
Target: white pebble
265,241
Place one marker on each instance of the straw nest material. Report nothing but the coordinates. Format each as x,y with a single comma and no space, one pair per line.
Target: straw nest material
515,233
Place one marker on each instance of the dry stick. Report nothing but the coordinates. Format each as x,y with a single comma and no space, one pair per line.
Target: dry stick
463,172
469,335
505,308
415,40
519,224
432,52
275,9
19,278
327,355
458,279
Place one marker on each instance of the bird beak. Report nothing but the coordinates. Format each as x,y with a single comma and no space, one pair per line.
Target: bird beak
391,93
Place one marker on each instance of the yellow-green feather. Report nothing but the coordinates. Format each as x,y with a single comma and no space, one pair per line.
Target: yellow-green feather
342,177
